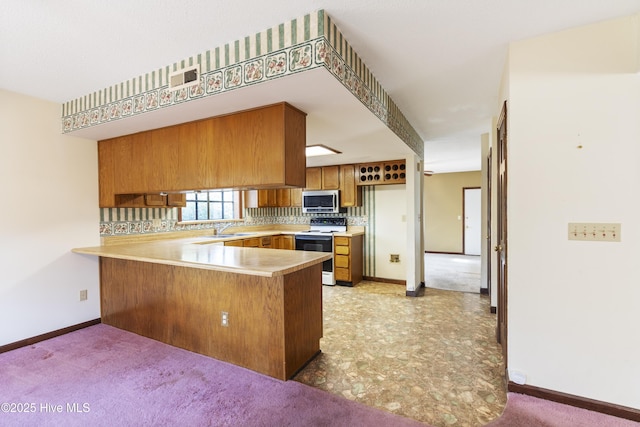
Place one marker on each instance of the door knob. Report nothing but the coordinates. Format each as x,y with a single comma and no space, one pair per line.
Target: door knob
497,248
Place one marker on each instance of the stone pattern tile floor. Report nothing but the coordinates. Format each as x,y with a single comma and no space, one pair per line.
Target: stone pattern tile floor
432,358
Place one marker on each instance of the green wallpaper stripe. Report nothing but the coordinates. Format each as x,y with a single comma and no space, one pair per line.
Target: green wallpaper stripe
317,28
281,36
294,32
258,44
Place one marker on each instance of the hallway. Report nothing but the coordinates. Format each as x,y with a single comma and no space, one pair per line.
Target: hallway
452,272
431,358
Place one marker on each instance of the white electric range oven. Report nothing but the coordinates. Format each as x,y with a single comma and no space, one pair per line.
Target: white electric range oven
319,238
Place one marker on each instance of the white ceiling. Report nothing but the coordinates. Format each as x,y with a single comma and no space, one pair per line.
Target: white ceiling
440,60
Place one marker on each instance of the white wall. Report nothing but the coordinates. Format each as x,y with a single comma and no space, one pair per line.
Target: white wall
49,187
390,231
574,307
414,224
485,254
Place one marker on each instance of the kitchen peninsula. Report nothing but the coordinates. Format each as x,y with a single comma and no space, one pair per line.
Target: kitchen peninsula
253,307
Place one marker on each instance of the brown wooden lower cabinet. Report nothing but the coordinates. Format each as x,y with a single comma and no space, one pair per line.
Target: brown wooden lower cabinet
274,323
282,241
253,242
287,242
274,242
348,259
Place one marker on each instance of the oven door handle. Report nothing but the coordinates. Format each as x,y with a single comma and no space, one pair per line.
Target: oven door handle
313,237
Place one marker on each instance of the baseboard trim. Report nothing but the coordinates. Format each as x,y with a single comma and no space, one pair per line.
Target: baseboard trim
444,253
48,335
379,279
418,292
577,401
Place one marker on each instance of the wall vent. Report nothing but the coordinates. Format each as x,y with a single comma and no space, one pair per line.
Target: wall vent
185,77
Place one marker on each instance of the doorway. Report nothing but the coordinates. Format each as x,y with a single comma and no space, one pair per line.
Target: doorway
472,225
501,233
452,272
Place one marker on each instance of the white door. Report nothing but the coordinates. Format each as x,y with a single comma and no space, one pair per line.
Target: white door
472,228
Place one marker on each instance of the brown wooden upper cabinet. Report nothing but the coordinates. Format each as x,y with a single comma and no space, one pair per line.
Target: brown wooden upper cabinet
151,200
323,178
390,172
331,177
350,192
314,179
338,177
283,197
177,200
155,199
296,197
258,148
274,197
266,198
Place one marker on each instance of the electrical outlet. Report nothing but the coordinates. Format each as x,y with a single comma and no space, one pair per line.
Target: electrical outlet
83,295
156,222
225,319
394,258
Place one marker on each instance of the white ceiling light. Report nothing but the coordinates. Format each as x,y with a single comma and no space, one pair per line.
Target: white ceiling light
319,150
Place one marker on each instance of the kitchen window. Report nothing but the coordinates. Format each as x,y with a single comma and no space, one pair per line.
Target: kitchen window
211,205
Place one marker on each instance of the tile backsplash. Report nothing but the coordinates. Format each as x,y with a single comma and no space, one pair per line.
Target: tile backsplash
126,221
130,221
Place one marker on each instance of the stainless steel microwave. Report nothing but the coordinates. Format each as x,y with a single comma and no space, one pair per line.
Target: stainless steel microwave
321,201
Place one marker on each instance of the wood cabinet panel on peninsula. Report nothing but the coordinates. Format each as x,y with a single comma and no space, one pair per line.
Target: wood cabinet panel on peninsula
259,148
274,323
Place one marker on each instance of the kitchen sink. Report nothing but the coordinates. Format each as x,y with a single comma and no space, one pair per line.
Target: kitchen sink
224,236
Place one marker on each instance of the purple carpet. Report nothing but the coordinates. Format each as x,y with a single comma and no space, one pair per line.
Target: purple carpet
528,411
103,376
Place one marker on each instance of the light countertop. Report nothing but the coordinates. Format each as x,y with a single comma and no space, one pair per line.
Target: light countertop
208,235
191,252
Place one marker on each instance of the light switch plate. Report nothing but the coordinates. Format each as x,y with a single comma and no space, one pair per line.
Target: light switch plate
595,231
